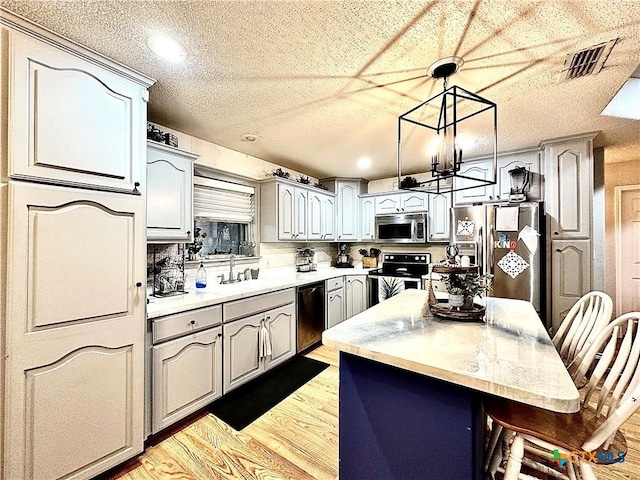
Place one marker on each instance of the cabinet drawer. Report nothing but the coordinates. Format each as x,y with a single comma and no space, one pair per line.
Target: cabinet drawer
259,303
175,325
335,283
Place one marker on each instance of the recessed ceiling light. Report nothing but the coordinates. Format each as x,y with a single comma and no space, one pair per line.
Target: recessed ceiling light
364,162
249,137
166,48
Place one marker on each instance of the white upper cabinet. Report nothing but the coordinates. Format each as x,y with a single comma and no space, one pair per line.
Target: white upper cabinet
329,217
439,217
72,121
569,187
401,202
321,216
292,212
481,169
347,192
530,160
368,217
169,194
348,214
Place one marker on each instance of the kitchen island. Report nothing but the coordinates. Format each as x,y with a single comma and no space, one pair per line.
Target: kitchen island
411,388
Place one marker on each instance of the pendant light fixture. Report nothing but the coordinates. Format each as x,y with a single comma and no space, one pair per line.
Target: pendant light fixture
441,134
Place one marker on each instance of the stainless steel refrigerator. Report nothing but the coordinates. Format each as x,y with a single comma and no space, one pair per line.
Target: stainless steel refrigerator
508,241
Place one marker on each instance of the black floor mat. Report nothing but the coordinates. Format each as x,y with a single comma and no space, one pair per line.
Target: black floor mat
246,403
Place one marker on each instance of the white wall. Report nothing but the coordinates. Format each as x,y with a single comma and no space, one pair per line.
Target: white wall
221,158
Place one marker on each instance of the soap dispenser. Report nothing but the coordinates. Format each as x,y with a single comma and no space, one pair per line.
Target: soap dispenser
201,277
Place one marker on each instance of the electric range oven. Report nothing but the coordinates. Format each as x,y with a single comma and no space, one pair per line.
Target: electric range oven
405,267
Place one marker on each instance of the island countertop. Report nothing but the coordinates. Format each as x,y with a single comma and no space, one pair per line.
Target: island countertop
509,355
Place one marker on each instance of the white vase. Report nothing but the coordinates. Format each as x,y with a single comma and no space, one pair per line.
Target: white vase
456,300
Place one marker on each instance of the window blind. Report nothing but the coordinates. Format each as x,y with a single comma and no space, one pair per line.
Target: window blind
222,201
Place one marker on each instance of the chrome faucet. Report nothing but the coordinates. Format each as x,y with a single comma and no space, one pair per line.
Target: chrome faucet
232,262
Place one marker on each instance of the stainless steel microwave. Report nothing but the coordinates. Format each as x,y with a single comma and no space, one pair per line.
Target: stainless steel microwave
401,228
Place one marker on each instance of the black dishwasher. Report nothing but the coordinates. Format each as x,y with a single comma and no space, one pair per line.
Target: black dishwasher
310,314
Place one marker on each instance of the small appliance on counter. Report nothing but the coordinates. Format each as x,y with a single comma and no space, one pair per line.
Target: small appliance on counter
344,259
306,260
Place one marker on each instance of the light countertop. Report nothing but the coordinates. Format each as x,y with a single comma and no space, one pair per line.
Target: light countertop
267,281
509,355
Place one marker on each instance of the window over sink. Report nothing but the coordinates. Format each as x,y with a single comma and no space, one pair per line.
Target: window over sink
224,214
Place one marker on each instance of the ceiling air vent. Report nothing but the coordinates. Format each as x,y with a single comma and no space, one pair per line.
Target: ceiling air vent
586,62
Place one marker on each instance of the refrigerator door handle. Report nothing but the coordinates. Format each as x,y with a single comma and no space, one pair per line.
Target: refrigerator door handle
490,246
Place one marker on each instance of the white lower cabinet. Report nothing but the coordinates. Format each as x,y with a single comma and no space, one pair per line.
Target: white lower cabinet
187,375
335,301
256,343
356,294
571,267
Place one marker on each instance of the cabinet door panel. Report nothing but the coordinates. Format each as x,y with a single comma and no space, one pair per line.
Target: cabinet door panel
62,401
315,217
348,212
169,194
530,161
571,270
282,330
569,185
482,170
300,214
187,375
414,202
329,218
356,295
335,307
367,210
75,346
387,204
73,122
241,341
439,217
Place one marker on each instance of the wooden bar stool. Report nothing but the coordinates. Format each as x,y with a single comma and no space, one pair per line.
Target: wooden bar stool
523,435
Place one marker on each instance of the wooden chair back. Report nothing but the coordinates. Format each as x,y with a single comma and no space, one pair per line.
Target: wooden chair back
586,319
617,372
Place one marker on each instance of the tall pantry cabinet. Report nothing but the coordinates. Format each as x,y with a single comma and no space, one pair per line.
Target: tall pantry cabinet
569,180
72,256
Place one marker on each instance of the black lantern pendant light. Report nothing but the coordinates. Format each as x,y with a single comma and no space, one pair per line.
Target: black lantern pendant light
441,134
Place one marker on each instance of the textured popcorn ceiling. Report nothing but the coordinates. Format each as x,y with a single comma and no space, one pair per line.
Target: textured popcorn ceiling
323,82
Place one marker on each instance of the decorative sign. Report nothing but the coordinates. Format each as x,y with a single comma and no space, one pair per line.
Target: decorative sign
529,236
513,264
504,241
466,228
507,219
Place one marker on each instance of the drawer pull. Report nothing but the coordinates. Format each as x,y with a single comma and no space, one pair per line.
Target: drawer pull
192,322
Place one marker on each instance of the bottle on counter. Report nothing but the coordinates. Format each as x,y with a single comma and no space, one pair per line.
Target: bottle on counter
201,277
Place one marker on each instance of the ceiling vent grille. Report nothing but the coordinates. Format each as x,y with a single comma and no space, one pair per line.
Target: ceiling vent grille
586,62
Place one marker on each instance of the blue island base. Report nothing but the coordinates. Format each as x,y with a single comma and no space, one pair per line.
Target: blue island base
396,424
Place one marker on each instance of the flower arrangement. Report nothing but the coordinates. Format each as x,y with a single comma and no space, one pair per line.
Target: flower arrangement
468,285
279,172
198,240
304,180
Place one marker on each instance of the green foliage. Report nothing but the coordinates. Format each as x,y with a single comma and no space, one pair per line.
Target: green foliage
198,241
468,284
279,172
390,287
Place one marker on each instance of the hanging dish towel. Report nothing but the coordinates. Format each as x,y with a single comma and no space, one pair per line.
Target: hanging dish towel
388,287
265,341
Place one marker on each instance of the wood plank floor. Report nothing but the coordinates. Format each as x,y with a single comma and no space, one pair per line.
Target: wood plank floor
297,440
